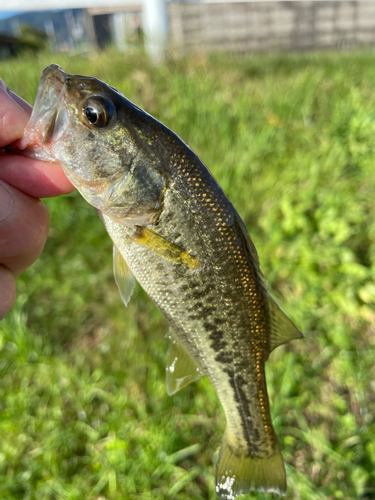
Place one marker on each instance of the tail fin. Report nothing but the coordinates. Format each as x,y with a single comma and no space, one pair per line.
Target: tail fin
236,475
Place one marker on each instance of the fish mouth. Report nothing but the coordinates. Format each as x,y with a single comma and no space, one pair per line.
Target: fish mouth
49,117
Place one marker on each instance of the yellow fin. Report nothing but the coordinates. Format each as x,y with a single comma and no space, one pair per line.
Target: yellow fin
181,369
282,328
123,276
163,247
238,474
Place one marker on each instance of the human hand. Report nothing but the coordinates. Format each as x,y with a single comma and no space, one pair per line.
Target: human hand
24,219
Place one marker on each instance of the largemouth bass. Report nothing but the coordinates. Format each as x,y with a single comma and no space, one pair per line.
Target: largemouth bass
176,232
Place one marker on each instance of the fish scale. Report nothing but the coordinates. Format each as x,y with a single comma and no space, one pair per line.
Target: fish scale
174,229
234,318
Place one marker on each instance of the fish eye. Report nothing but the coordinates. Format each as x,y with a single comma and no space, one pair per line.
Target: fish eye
98,111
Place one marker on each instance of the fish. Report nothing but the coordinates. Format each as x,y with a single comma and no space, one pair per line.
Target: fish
175,231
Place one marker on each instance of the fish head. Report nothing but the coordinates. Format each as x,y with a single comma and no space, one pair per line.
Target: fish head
93,131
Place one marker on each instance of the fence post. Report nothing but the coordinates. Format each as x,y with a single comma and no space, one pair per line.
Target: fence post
155,25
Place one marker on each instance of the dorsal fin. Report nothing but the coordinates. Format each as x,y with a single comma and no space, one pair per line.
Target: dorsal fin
282,328
250,245
123,276
181,369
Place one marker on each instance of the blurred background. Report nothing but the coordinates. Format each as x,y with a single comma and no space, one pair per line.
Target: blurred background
241,27
277,98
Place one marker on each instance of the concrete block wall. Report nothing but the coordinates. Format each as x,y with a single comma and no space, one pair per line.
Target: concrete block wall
264,26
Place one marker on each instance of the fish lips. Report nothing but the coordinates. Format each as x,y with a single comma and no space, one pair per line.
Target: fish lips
48,121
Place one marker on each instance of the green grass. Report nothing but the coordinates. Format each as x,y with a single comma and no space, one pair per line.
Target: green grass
84,412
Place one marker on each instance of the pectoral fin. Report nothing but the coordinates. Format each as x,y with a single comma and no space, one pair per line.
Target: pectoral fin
163,247
282,328
123,276
181,368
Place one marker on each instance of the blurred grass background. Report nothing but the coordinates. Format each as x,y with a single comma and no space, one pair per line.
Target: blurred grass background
84,412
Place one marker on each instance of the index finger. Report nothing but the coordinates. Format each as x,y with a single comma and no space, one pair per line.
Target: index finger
35,178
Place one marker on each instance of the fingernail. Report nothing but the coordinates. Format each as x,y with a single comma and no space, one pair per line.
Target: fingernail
5,88
16,98
3,85
6,201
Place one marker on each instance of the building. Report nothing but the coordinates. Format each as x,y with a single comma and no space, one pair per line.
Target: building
226,25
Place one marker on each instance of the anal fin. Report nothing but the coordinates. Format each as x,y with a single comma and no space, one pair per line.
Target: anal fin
181,369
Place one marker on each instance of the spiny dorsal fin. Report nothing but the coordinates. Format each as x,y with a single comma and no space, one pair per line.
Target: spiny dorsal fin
282,328
250,246
181,369
123,276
